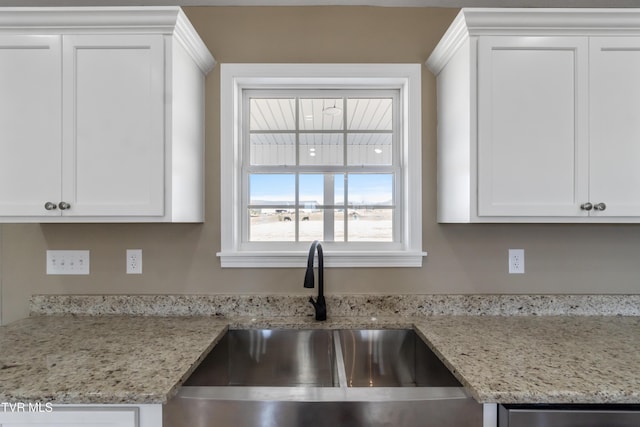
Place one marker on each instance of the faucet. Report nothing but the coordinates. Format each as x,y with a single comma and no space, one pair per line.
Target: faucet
319,304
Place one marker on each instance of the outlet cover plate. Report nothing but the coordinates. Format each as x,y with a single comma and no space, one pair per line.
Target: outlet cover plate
516,261
134,261
68,262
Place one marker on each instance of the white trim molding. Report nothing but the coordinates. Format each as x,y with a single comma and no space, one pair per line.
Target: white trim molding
167,20
472,22
237,77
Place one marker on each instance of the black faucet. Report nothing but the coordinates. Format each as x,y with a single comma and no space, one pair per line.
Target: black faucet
319,304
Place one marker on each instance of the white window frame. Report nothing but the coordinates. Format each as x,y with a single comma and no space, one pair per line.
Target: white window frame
237,77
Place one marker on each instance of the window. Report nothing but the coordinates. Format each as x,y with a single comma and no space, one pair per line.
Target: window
320,152
320,165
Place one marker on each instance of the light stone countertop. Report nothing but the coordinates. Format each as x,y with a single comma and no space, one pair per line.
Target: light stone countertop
101,359
500,359
549,359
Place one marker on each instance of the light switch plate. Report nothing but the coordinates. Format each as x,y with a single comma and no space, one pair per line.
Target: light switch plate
68,262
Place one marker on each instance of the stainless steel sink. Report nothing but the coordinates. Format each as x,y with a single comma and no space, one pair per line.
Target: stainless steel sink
322,378
391,358
272,358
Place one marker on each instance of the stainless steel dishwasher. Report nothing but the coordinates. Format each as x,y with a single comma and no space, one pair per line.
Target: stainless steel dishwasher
569,416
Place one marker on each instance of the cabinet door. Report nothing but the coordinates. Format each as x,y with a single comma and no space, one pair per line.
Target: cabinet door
60,416
615,125
113,129
532,111
30,124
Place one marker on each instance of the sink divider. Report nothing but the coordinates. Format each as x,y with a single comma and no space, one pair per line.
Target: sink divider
342,372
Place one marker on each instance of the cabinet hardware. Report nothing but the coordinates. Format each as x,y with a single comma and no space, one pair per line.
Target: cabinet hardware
586,206
600,206
64,206
50,206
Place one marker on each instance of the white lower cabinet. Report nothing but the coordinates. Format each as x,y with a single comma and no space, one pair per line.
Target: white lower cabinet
44,415
58,417
101,115
538,116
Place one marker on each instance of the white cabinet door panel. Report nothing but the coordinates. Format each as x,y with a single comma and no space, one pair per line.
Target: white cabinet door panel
30,124
531,126
73,417
615,125
113,161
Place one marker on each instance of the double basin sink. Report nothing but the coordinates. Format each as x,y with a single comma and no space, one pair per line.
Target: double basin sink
322,377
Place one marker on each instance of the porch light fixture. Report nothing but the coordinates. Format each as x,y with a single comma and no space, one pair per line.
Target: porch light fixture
332,111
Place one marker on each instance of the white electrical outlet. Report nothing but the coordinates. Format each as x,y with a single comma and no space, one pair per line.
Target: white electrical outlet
516,261
68,262
134,261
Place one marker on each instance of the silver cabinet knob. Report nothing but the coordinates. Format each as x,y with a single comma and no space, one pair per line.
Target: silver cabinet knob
50,206
586,206
600,206
64,206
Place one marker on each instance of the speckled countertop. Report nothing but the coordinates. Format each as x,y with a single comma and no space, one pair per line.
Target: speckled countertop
107,359
132,359
549,359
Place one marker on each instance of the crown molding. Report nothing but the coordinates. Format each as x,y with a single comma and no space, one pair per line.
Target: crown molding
157,19
455,36
552,21
164,20
543,22
187,36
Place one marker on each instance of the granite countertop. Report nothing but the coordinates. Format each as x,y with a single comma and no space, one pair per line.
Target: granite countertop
105,359
549,359
144,359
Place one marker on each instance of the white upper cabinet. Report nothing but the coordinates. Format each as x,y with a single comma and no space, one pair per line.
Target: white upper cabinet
104,115
114,125
538,116
30,124
531,115
614,125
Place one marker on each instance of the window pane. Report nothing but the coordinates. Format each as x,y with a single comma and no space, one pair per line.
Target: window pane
321,114
273,149
369,114
311,190
370,189
311,225
271,225
277,190
321,149
370,225
369,149
272,114
298,154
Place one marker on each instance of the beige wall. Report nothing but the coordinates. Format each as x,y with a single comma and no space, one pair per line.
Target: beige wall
180,258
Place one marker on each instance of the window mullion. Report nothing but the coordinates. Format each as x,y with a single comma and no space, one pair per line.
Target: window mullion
297,148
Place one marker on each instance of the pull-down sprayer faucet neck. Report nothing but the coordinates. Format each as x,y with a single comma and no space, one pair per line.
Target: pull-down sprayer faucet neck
319,304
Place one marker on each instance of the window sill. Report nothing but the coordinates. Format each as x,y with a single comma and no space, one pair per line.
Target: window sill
287,259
